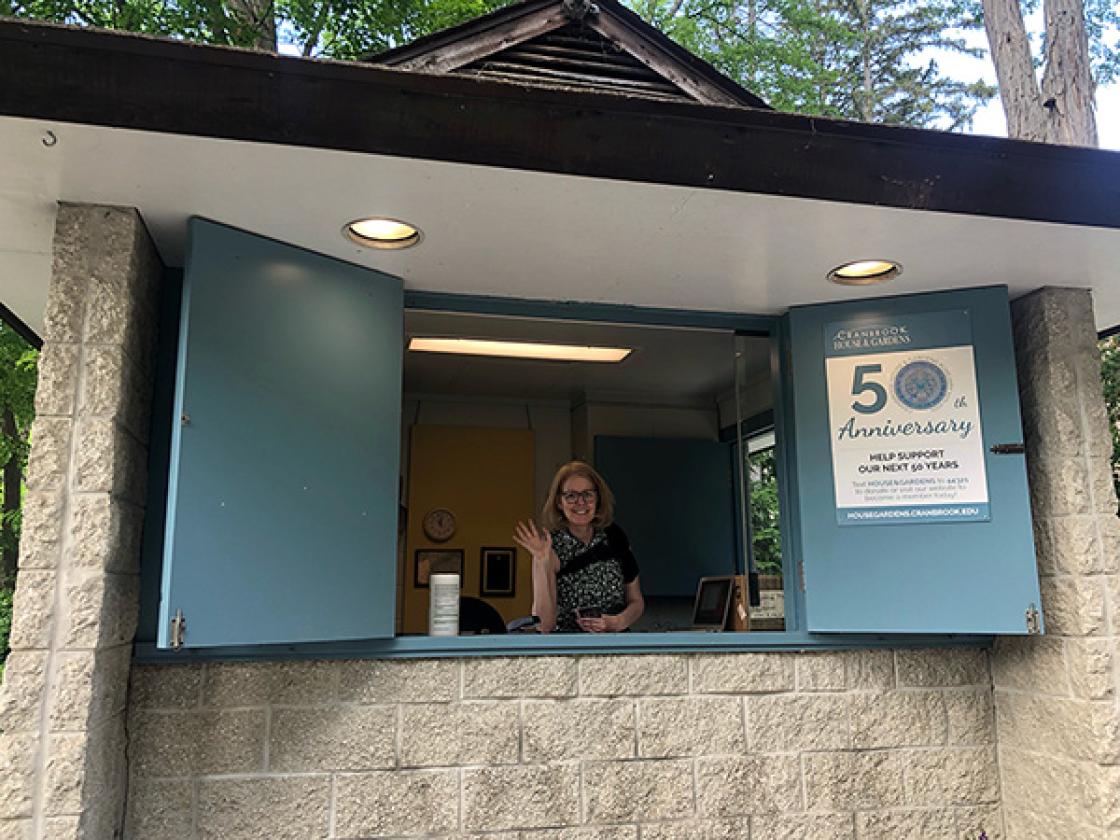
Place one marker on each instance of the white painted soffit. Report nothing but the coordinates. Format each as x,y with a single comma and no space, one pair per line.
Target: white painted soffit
492,231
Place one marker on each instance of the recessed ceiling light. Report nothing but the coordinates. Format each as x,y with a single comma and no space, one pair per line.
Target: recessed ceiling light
381,232
519,349
865,272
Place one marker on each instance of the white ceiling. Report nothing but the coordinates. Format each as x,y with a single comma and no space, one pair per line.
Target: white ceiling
494,231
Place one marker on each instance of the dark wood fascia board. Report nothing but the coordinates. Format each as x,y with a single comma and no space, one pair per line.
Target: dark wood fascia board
108,79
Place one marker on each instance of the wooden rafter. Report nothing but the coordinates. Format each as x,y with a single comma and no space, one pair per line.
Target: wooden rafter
659,61
451,56
511,45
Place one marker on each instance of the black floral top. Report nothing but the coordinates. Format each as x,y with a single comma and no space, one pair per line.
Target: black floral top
592,574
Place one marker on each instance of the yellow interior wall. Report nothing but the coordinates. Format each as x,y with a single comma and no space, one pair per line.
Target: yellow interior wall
485,478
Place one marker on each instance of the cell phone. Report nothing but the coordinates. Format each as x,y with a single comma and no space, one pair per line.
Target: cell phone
589,612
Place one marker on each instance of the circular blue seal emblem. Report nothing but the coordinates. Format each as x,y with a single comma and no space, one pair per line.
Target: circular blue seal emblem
921,384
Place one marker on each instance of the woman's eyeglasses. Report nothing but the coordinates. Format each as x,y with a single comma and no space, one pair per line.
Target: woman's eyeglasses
570,497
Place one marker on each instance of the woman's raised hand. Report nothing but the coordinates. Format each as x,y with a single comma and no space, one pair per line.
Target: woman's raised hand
537,542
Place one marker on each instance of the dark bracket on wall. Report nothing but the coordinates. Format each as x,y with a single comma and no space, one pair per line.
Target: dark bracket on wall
20,328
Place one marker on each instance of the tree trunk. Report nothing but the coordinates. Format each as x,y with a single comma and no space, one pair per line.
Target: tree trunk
12,486
1067,82
261,16
1060,110
865,108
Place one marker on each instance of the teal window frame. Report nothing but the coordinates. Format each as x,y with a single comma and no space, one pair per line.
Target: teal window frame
795,637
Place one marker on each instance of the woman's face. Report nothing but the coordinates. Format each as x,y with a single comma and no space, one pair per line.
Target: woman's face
578,500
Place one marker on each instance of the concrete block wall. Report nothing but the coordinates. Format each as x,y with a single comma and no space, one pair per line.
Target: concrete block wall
62,704
781,746
1056,699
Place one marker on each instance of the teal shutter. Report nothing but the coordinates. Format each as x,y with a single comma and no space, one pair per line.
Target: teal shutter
284,477
889,565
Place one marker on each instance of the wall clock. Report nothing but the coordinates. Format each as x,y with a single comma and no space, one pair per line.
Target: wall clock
439,524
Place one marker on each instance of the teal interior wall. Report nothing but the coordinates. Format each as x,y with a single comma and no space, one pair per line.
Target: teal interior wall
676,502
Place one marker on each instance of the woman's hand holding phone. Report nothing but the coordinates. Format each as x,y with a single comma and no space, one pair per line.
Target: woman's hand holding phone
592,620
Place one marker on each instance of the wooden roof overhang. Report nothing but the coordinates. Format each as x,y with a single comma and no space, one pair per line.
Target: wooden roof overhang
126,88
127,81
520,32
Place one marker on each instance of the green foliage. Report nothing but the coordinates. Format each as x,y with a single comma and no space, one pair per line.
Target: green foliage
329,28
762,472
1102,21
18,375
1110,380
5,623
856,59
357,29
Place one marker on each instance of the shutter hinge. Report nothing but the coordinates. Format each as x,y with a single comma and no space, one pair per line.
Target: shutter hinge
185,419
178,630
801,573
1034,621
1008,449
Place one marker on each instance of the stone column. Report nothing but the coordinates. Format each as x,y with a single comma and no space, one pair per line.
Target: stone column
62,749
1058,723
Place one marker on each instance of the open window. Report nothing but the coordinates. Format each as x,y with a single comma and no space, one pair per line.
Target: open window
759,451
484,435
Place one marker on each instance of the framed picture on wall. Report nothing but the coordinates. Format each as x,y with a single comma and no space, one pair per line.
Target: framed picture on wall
433,561
499,569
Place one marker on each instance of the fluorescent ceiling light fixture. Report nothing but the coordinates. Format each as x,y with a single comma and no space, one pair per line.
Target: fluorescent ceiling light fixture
519,349
865,272
382,232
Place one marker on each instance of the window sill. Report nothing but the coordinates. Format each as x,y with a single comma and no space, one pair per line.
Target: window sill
421,647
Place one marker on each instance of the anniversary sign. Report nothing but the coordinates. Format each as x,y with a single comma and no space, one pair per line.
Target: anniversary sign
905,420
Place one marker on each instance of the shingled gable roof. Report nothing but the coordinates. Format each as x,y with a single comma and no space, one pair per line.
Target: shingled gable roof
599,46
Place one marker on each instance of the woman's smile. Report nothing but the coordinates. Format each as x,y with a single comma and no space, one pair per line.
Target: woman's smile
579,502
